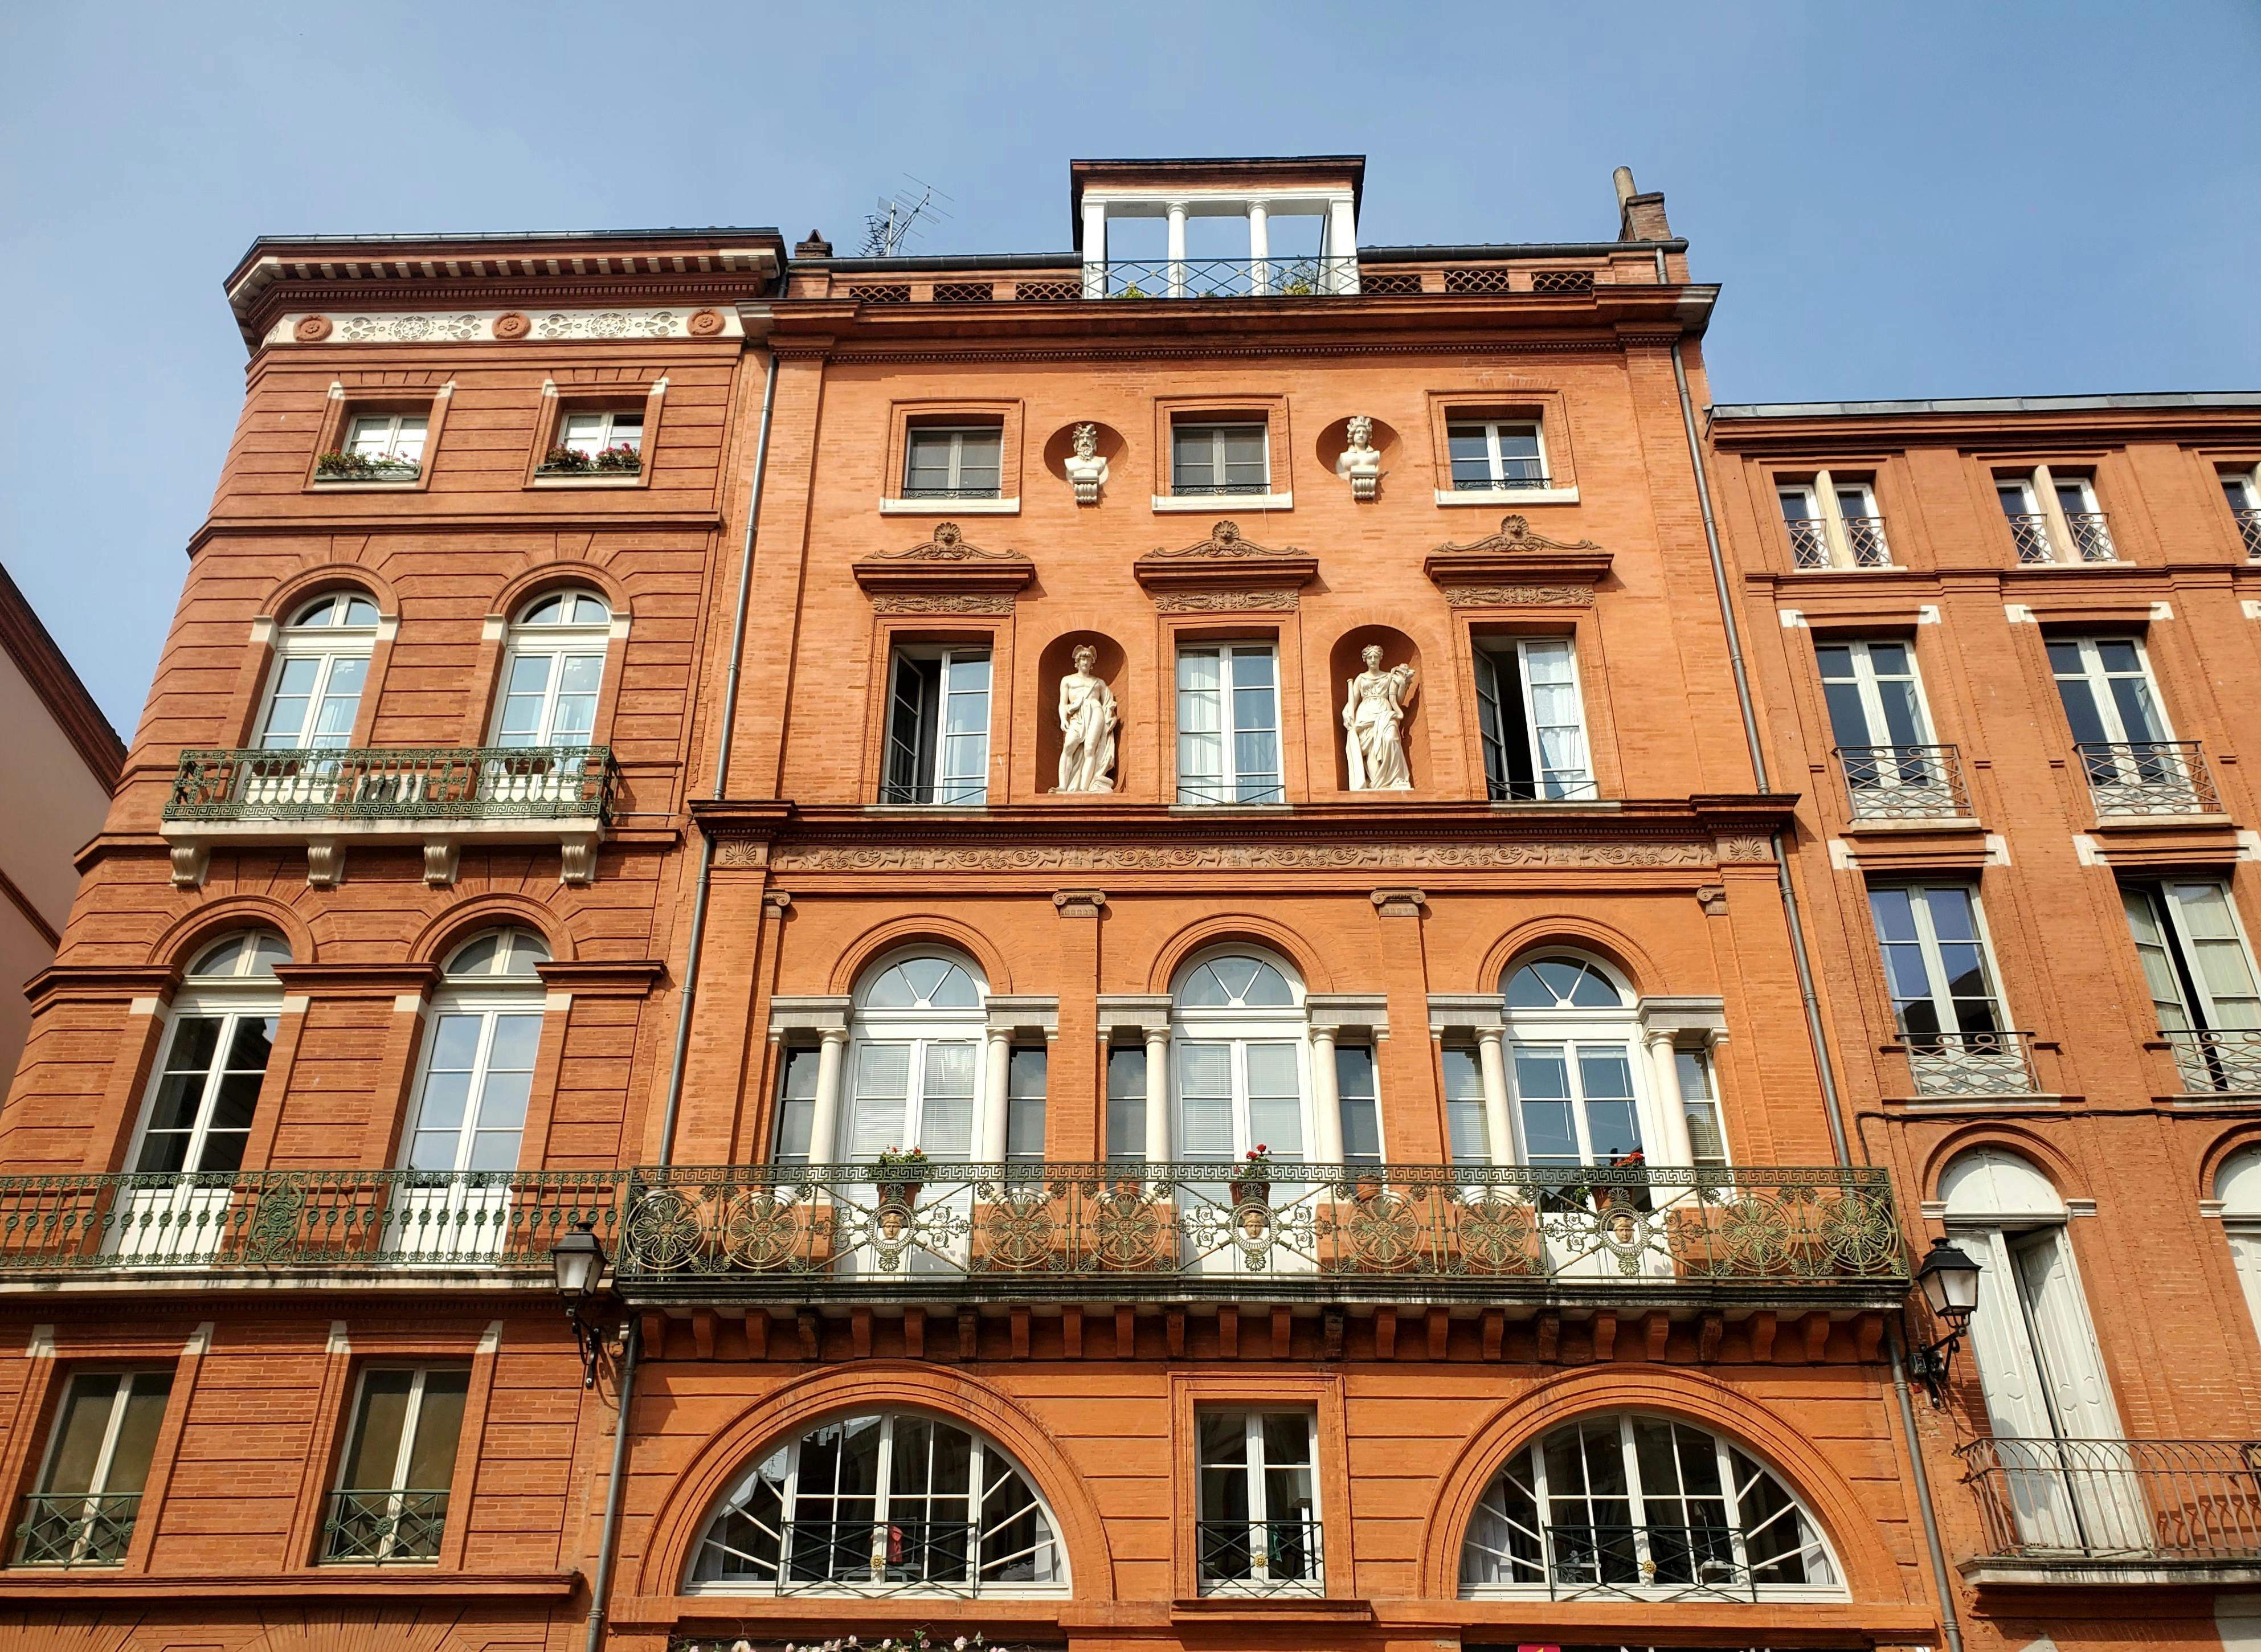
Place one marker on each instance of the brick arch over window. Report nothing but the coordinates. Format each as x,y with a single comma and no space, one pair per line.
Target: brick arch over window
868,1387
1225,928
189,935
1848,1518
2031,1145
876,943
459,922
556,576
2234,1139
286,598
1572,934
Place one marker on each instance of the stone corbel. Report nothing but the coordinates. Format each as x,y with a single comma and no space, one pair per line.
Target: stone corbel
192,864
576,859
1399,903
1079,903
808,1014
1465,1012
326,863
1348,1012
1689,1023
1133,1012
443,857
1008,1015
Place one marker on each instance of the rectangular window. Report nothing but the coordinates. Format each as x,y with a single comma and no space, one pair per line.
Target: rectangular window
1527,708
1218,458
1259,1523
1360,1104
1809,531
1024,1103
1229,724
938,727
2105,683
1489,456
1466,1126
952,462
1126,1101
2202,980
1936,960
591,434
97,1462
1577,1102
1870,689
390,1503
387,439
2242,490
796,1114
207,1090
2027,503
1707,1143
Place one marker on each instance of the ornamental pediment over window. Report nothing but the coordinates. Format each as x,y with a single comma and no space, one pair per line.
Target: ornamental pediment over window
945,573
1226,571
1518,567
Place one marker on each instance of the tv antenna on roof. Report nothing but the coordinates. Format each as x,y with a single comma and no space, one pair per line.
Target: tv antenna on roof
898,217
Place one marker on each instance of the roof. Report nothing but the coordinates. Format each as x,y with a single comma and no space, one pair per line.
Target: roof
1228,171
2161,400
519,240
26,640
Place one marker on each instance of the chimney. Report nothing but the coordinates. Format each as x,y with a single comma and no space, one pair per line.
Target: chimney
1640,217
814,247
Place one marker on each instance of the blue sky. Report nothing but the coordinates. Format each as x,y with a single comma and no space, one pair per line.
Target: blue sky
1900,200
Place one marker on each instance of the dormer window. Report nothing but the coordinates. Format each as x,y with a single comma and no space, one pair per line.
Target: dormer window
953,461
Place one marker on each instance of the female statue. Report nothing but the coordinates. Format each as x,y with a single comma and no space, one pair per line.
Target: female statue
1374,715
1087,722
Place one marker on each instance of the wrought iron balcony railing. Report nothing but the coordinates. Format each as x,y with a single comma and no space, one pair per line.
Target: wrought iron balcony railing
345,1220
901,1555
443,783
1864,540
76,1528
2029,534
924,491
1809,542
1506,482
2117,1499
2218,1060
938,794
1221,278
384,1527
1655,1561
1247,1557
1131,1229
2091,536
2248,530
2147,777
1904,782
1564,786
1970,1063
1215,490
1223,794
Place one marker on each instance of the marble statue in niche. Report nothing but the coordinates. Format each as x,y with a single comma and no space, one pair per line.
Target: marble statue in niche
1087,720
1086,467
1374,717
1360,464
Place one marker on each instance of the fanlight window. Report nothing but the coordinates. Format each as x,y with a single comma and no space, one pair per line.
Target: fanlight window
1235,982
885,1503
1561,983
343,607
923,983
1628,1504
497,952
250,954
566,607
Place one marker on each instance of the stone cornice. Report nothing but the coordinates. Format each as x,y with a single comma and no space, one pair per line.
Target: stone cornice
2081,429
603,978
577,517
357,980
96,982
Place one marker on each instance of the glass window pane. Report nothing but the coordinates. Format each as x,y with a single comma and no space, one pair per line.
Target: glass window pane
373,1454
1126,1101
80,1430
439,1424
136,1444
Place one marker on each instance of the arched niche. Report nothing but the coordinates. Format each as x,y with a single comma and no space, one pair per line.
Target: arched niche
1112,448
1056,662
1336,438
1344,664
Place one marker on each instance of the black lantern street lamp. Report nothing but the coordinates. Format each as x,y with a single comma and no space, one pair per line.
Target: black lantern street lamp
1949,1280
579,1260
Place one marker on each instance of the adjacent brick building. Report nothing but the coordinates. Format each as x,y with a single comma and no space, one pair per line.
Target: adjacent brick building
1153,908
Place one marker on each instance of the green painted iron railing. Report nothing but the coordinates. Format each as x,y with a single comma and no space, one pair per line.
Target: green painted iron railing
76,1528
346,1220
377,1528
1025,1229
395,783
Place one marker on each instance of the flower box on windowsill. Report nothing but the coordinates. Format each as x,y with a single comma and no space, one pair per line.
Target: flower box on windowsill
619,466
334,468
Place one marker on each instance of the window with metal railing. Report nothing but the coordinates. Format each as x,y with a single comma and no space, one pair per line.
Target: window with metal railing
97,1462
937,749
390,1503
1218,459
1258,1529
1530,720
2242,491
1495,456
2200,969
956,462
2053,517
1229,724
1834,522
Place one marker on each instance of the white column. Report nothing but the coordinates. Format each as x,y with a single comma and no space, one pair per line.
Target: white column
824,1122
1177,249
1095,249
2062,546
1342,247
1833,520
1260,247
1326,1100
1674,1146
990,1109
1158,1095
1492,1063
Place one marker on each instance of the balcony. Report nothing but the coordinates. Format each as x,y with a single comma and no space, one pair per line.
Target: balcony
2115,1511
1261,1557
1130,1231
1971,1064
2029,534
1903,783
2143,777
2091,536
2218,1061
76,1528
1864,541
317,1222
1809,542
1221,278
440,795
384,1527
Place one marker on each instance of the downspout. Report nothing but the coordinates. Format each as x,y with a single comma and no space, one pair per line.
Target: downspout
600,1586
1949,1622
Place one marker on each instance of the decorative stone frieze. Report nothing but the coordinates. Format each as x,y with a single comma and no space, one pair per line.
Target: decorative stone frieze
466,326
1469,857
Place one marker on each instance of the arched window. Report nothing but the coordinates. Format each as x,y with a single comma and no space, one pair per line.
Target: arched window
915,1057
552,668
485,1027
2237,1184
321,663
1242,1063
882,1503
1649,1506
1574,1063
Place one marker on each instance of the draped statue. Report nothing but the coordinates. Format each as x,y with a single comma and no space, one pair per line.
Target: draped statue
1374,715
1087,720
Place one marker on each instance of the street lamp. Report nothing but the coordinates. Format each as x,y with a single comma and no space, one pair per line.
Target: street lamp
578,1259
1950,1280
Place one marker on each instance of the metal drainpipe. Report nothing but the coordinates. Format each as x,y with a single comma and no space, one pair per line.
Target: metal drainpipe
1949,1622
600,1586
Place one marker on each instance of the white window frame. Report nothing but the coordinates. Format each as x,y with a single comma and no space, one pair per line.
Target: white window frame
914,436
486,997
2237,1194
1829,542
917,1029
97,1488
1939,986
2099,680
610,433
396,442
558,644
1494,462
1467,1113
411,1420
1567,1030
2248,482
1255,1465
938,784
1236,1027
2195,991
1702,1098
1344,1099
1227,783
329,643
1550,783
1218,429
1868,684
243,994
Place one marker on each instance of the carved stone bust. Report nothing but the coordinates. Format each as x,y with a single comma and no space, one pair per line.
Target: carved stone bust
1360,464
1086,468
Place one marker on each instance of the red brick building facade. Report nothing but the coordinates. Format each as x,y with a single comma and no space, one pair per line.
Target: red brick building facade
1152,907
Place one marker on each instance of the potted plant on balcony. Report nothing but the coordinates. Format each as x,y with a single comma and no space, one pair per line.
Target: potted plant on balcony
901,1173
565,461
337,465
1252,1189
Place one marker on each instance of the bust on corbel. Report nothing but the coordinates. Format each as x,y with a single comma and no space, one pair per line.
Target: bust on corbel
1360,464
1085,465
